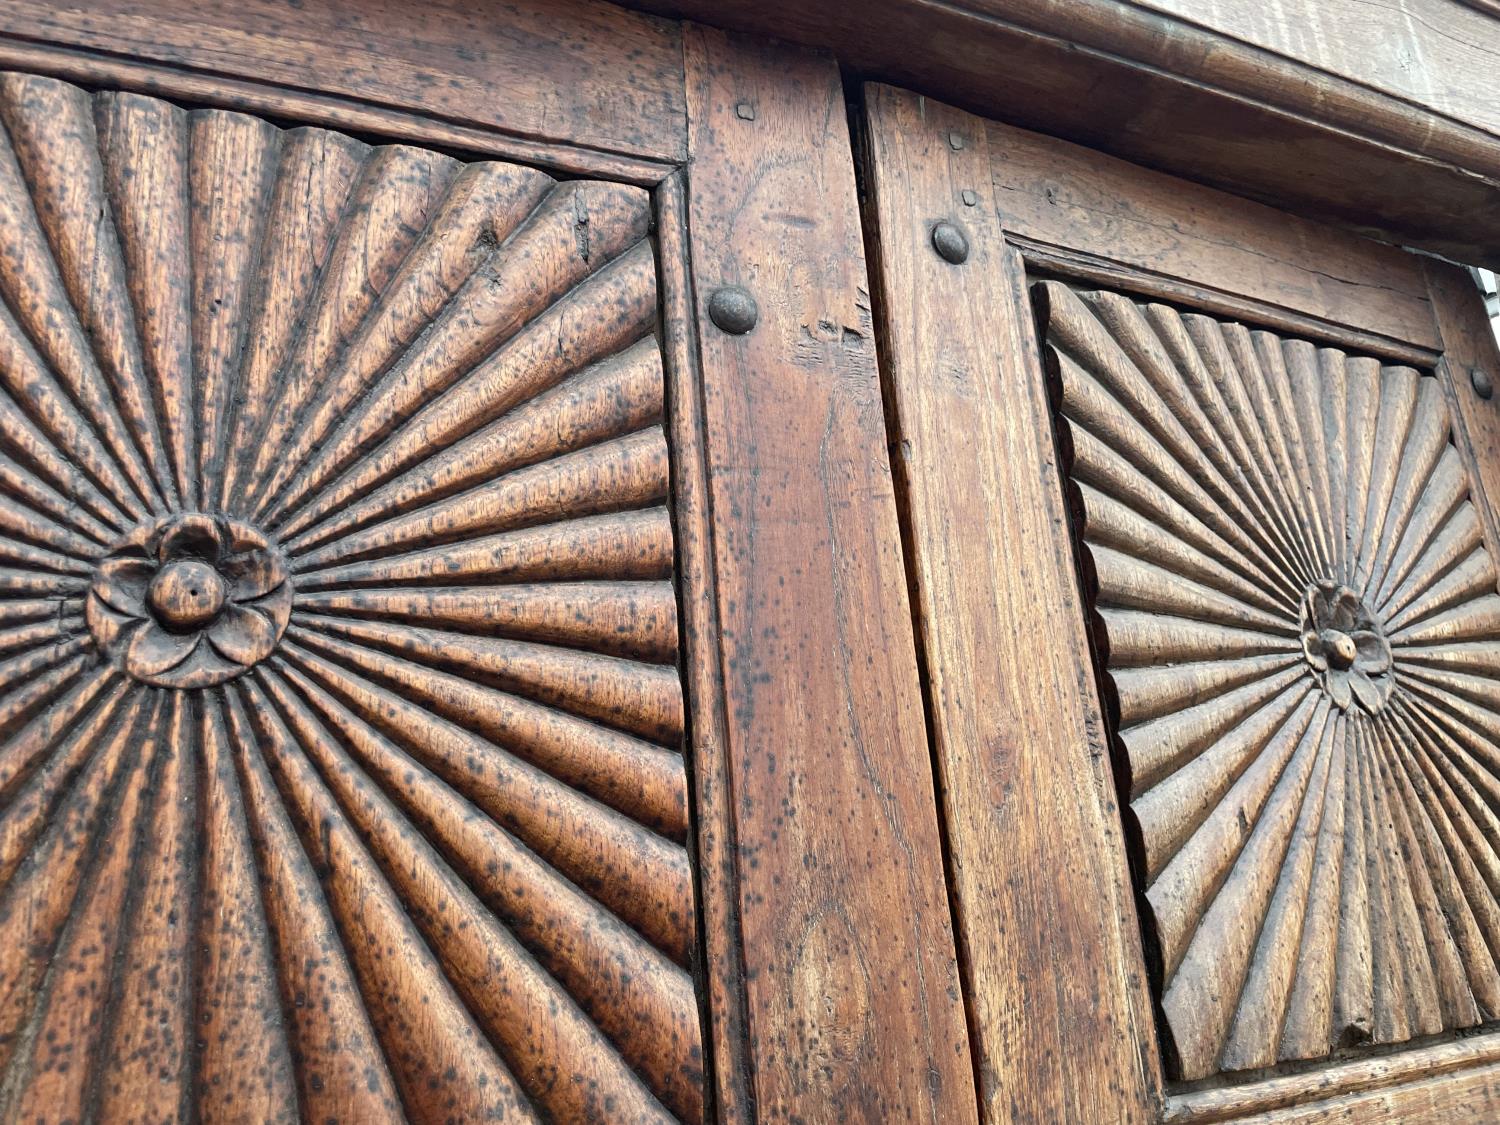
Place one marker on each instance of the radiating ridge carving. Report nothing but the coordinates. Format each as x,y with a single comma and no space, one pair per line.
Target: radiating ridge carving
340,721
1300,628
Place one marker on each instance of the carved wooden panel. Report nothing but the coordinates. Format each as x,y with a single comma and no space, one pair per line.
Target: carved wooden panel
340,769
1298,618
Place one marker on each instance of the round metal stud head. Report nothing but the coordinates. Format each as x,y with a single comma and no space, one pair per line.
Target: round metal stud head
1483,385
733,310
950,243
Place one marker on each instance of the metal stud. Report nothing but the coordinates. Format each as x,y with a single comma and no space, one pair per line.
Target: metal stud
733,310
970,197
955,141
745,111
950,243
1483,385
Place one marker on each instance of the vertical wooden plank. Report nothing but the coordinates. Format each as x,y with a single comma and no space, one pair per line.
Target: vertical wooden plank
713,815
851,986
1046,922
1469,347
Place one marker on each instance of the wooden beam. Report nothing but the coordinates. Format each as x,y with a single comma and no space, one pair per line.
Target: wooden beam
577,71
1183,98
1438,54
1449,1076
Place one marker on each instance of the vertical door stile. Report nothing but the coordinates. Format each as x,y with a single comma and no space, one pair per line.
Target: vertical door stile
850,976
1044,913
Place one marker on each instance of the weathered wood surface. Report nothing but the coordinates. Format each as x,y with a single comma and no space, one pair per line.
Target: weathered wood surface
1064,195
1187,95
1473,1096
579,71
1470,352
703,673
1175,94
1430,53
340,727
854,1008
1298,616
1055,979
1364,1089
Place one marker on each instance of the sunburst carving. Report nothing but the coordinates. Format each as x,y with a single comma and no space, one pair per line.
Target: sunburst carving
340,765
1299,621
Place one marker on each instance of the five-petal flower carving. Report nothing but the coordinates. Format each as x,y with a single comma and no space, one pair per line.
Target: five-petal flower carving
190,600
1345,646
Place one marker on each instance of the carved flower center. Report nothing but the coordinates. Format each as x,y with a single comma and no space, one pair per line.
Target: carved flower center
1345,647
189,600
1340,649
186,595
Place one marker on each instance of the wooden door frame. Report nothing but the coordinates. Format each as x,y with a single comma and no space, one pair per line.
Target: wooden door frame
828,976
963,211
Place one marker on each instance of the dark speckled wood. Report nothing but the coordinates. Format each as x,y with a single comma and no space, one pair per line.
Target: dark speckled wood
340,723
1298,612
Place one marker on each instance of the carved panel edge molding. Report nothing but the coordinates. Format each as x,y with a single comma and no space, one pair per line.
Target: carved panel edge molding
340,723
1297,619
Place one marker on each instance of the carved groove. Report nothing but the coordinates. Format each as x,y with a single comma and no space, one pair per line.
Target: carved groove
1299,622
340,720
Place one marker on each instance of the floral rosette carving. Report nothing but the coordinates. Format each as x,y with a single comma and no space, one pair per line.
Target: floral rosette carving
1346,647
189,601
337,619
1297,612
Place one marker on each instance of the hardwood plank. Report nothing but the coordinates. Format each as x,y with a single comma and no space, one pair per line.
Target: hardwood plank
1469,346
575,70
1428,52
1045,914
854,1011
1473,1096
719,930
1064,195
1367,1083
1181,97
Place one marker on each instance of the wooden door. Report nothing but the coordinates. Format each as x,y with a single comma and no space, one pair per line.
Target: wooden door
1201,510
455,661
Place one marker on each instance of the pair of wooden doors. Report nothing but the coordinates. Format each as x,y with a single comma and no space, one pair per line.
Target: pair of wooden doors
467,654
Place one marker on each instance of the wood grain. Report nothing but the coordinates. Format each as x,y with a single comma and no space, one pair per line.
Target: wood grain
1468,346
249,95
1470,1096
1297,610
344,466
1064,195
703,674
1422,51
1193,98
1080,264
1054,977
580,71
850,975
1375,1085
1319,126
